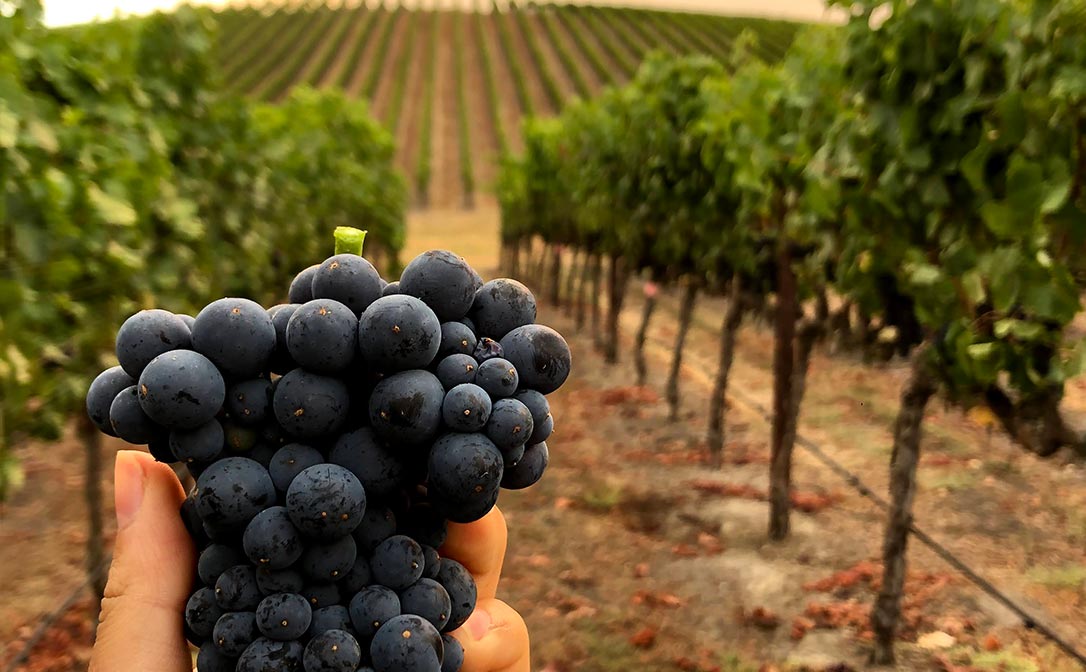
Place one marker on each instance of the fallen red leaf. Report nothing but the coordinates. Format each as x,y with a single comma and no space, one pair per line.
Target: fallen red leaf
644,638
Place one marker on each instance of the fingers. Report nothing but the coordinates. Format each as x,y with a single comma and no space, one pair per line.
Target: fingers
140,626
480,547
495,639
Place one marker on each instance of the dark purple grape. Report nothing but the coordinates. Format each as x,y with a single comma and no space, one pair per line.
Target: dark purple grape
326,502
510,424
359,575
249,402
470,325
541,411
232,491
238,440
443,280
291,460
378,524
513,455
456,338
335,617
397,562
542,432
322,336
432,562
284,616
332,651
101,394
159,447
189,320
428,599
267,655
391,288
463,593
234,632
498,377
202,611
528,470
466,408
181,390
308,405
322,595
236,589
501,306
128,419
397,333
216,559
328,561
271,581
281,361
454,654
456,370
349,279
148,334
465,472
371,460
301,287
372,607
236,335
271,540
540,355
202,444
405,408
407,643
487,348
210,659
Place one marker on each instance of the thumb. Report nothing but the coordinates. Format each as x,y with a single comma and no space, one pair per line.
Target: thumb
140,627
495,639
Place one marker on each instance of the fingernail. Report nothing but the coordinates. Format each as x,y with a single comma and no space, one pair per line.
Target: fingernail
478,624
127,487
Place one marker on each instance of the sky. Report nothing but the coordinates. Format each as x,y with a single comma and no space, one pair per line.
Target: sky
63,12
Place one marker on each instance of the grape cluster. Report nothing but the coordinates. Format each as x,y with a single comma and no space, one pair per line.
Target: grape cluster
331,440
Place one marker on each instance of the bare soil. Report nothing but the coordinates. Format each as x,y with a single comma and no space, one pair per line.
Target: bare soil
409,125
562,78
386,82
509,104
359,21
446,189
523,54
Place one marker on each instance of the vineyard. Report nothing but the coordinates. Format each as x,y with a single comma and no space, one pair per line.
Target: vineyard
822,286
467,78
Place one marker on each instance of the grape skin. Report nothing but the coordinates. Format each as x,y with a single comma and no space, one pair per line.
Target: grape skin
202,611
128,419
501,306
322,336
330,561
236,335
289,461
459,584
216,559
234,632
202,444
232,491
465,474
310,406
529,469
236,589
370,460
397,562
540,355
498,377
332,651
301,287
510,424
103,390
349,279
407,643
398,333
405,408
266,655
249,402
271,541
456,338
148,334
428,599
334,617
371,607
454,654
456,370
281,361
326,502
283,616
443,280
466,408
181,390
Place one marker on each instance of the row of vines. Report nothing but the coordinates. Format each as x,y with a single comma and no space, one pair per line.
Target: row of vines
129,180
910,184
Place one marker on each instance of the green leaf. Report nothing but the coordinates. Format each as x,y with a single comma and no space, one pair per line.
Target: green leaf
1056,194
1025,187
974,286
924,275
1000,218
9,127
112,210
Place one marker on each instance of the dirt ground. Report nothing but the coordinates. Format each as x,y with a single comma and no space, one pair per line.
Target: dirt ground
632,554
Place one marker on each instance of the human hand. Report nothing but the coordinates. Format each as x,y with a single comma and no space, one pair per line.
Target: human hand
141,624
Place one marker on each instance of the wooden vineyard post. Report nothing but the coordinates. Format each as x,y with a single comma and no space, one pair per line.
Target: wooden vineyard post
582,290
686,316
571,277
733,317
780,469
554,286
597,282
906,456
647,310
617,286
92,493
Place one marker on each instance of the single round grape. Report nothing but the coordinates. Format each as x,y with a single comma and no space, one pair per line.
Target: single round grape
358,576
407,643
466,408
332,651
510,424
271,540
202,444
432,562
540,355
322,595
454,654
322,336
148,334
301,287
291,460
428,599
391,288
236,589
308,405
456,370
335,617
443,280
249,402
501,306
537,404
467,322
216,559
283,616
236,335
210,659
268,655
271,581
202,611
234,632
103,390
326,502
397,562
498,377
513,455
378,524
529,469
233,490
405,408
397,333
487,348
465,474
280,315
372,607
128,419
456,338
181,390
349,279
328,561
371,460
463,593
238,440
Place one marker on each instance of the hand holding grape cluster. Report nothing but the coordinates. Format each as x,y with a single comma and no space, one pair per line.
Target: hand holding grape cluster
332,439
